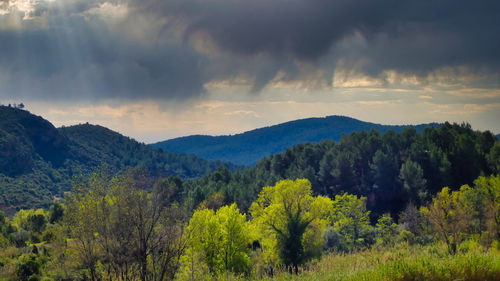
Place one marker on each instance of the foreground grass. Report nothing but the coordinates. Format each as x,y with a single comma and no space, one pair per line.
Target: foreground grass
404,263
400,263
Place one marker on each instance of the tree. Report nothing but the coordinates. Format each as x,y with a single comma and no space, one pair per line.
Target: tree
28,269
325,176
218,240
439,169
86,213
449,216
133,234
278,165
56,212
385,170
290,221
414,183
351,219
385,175
493,158
386,228
413,220
235,239
343,171
484,202
31,220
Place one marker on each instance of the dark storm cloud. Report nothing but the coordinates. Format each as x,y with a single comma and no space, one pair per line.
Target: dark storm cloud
70,53
62,49
408,36
448,32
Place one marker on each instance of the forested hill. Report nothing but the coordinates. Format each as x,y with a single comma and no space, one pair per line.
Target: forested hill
249,147
390,169
38,161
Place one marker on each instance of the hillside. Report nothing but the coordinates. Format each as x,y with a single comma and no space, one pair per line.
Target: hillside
249,147
390,169
38,161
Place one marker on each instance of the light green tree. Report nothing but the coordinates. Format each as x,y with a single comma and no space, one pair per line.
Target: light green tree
290,222
351,219
449,215
491,186
484,203
386,228
218,242
31,220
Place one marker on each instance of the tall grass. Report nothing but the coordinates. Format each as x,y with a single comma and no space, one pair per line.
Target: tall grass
403,263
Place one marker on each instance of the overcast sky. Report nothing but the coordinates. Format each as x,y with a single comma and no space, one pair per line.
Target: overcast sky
157,69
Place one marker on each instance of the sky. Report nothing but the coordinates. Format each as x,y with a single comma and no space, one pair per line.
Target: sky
159,69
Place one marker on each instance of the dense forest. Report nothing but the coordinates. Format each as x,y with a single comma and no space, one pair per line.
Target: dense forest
249,147
390,170
38,161
355,209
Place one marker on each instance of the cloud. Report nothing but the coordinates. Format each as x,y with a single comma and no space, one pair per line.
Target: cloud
404,35
173,49
83,52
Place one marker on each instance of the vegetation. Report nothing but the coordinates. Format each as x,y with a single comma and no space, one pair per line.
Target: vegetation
352,210
249,147
110,228
38,161
403,262
289,221
390,170
217,243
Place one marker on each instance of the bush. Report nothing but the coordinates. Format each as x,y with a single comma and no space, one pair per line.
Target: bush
406,236
333,241
52,233
28,269
20,238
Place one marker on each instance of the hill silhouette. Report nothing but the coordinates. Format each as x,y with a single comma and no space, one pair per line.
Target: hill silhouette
249,147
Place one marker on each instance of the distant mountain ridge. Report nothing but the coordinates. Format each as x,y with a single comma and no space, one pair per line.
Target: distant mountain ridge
38,161
248,147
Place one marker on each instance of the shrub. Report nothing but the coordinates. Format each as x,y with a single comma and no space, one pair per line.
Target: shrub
333,241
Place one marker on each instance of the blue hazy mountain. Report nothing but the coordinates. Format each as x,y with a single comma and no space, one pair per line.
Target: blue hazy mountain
247,148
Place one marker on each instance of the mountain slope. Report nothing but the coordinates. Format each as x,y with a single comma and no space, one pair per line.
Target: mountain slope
247,148
24,137
38,161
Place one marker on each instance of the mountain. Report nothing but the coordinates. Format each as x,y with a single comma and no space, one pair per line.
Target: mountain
25,138
38,161
247,148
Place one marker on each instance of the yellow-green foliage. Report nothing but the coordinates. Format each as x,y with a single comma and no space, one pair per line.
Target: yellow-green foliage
468,212
387,229
31,220
277,207
449,215
487,210
104,229
351,219
217,243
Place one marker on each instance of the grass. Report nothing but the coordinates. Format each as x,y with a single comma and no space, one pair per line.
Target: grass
403,263
399,263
